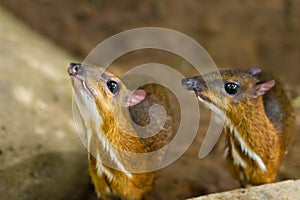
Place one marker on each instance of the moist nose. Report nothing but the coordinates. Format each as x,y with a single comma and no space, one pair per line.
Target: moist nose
74,69
187,83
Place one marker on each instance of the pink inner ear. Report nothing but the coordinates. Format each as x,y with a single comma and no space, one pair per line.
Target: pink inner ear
264,87
136,97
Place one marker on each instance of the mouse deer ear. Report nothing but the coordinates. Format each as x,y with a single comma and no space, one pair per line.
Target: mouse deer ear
255,71
136,97
262,87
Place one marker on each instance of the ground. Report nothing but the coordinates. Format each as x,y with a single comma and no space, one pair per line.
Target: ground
236,34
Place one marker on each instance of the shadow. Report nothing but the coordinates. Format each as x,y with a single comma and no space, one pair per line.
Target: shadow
47,176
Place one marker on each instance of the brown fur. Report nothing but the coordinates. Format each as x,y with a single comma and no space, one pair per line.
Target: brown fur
265,124
119,132
261,137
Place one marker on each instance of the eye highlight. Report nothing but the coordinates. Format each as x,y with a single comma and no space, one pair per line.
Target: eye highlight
231,88
113,87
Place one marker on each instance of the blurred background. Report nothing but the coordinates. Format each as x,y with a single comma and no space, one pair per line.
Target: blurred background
236,34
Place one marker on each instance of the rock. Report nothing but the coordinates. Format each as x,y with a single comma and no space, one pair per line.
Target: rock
282,190
41,156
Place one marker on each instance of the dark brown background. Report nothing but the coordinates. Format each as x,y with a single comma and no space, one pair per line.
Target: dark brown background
236,33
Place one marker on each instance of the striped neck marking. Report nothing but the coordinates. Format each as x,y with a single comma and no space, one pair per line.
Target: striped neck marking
89,112
245,149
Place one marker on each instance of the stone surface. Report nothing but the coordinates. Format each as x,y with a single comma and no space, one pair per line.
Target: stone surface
283,190
41,156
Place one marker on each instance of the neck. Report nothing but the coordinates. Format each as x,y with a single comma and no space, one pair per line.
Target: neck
254,133
111,140
117,129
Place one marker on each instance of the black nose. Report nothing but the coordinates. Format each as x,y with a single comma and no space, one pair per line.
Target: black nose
188,83
74,69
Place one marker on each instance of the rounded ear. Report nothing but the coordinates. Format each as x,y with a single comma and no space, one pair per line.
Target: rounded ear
262,87
136,97
255,71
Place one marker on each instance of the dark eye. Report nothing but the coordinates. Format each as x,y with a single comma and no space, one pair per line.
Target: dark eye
231,88
113,86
